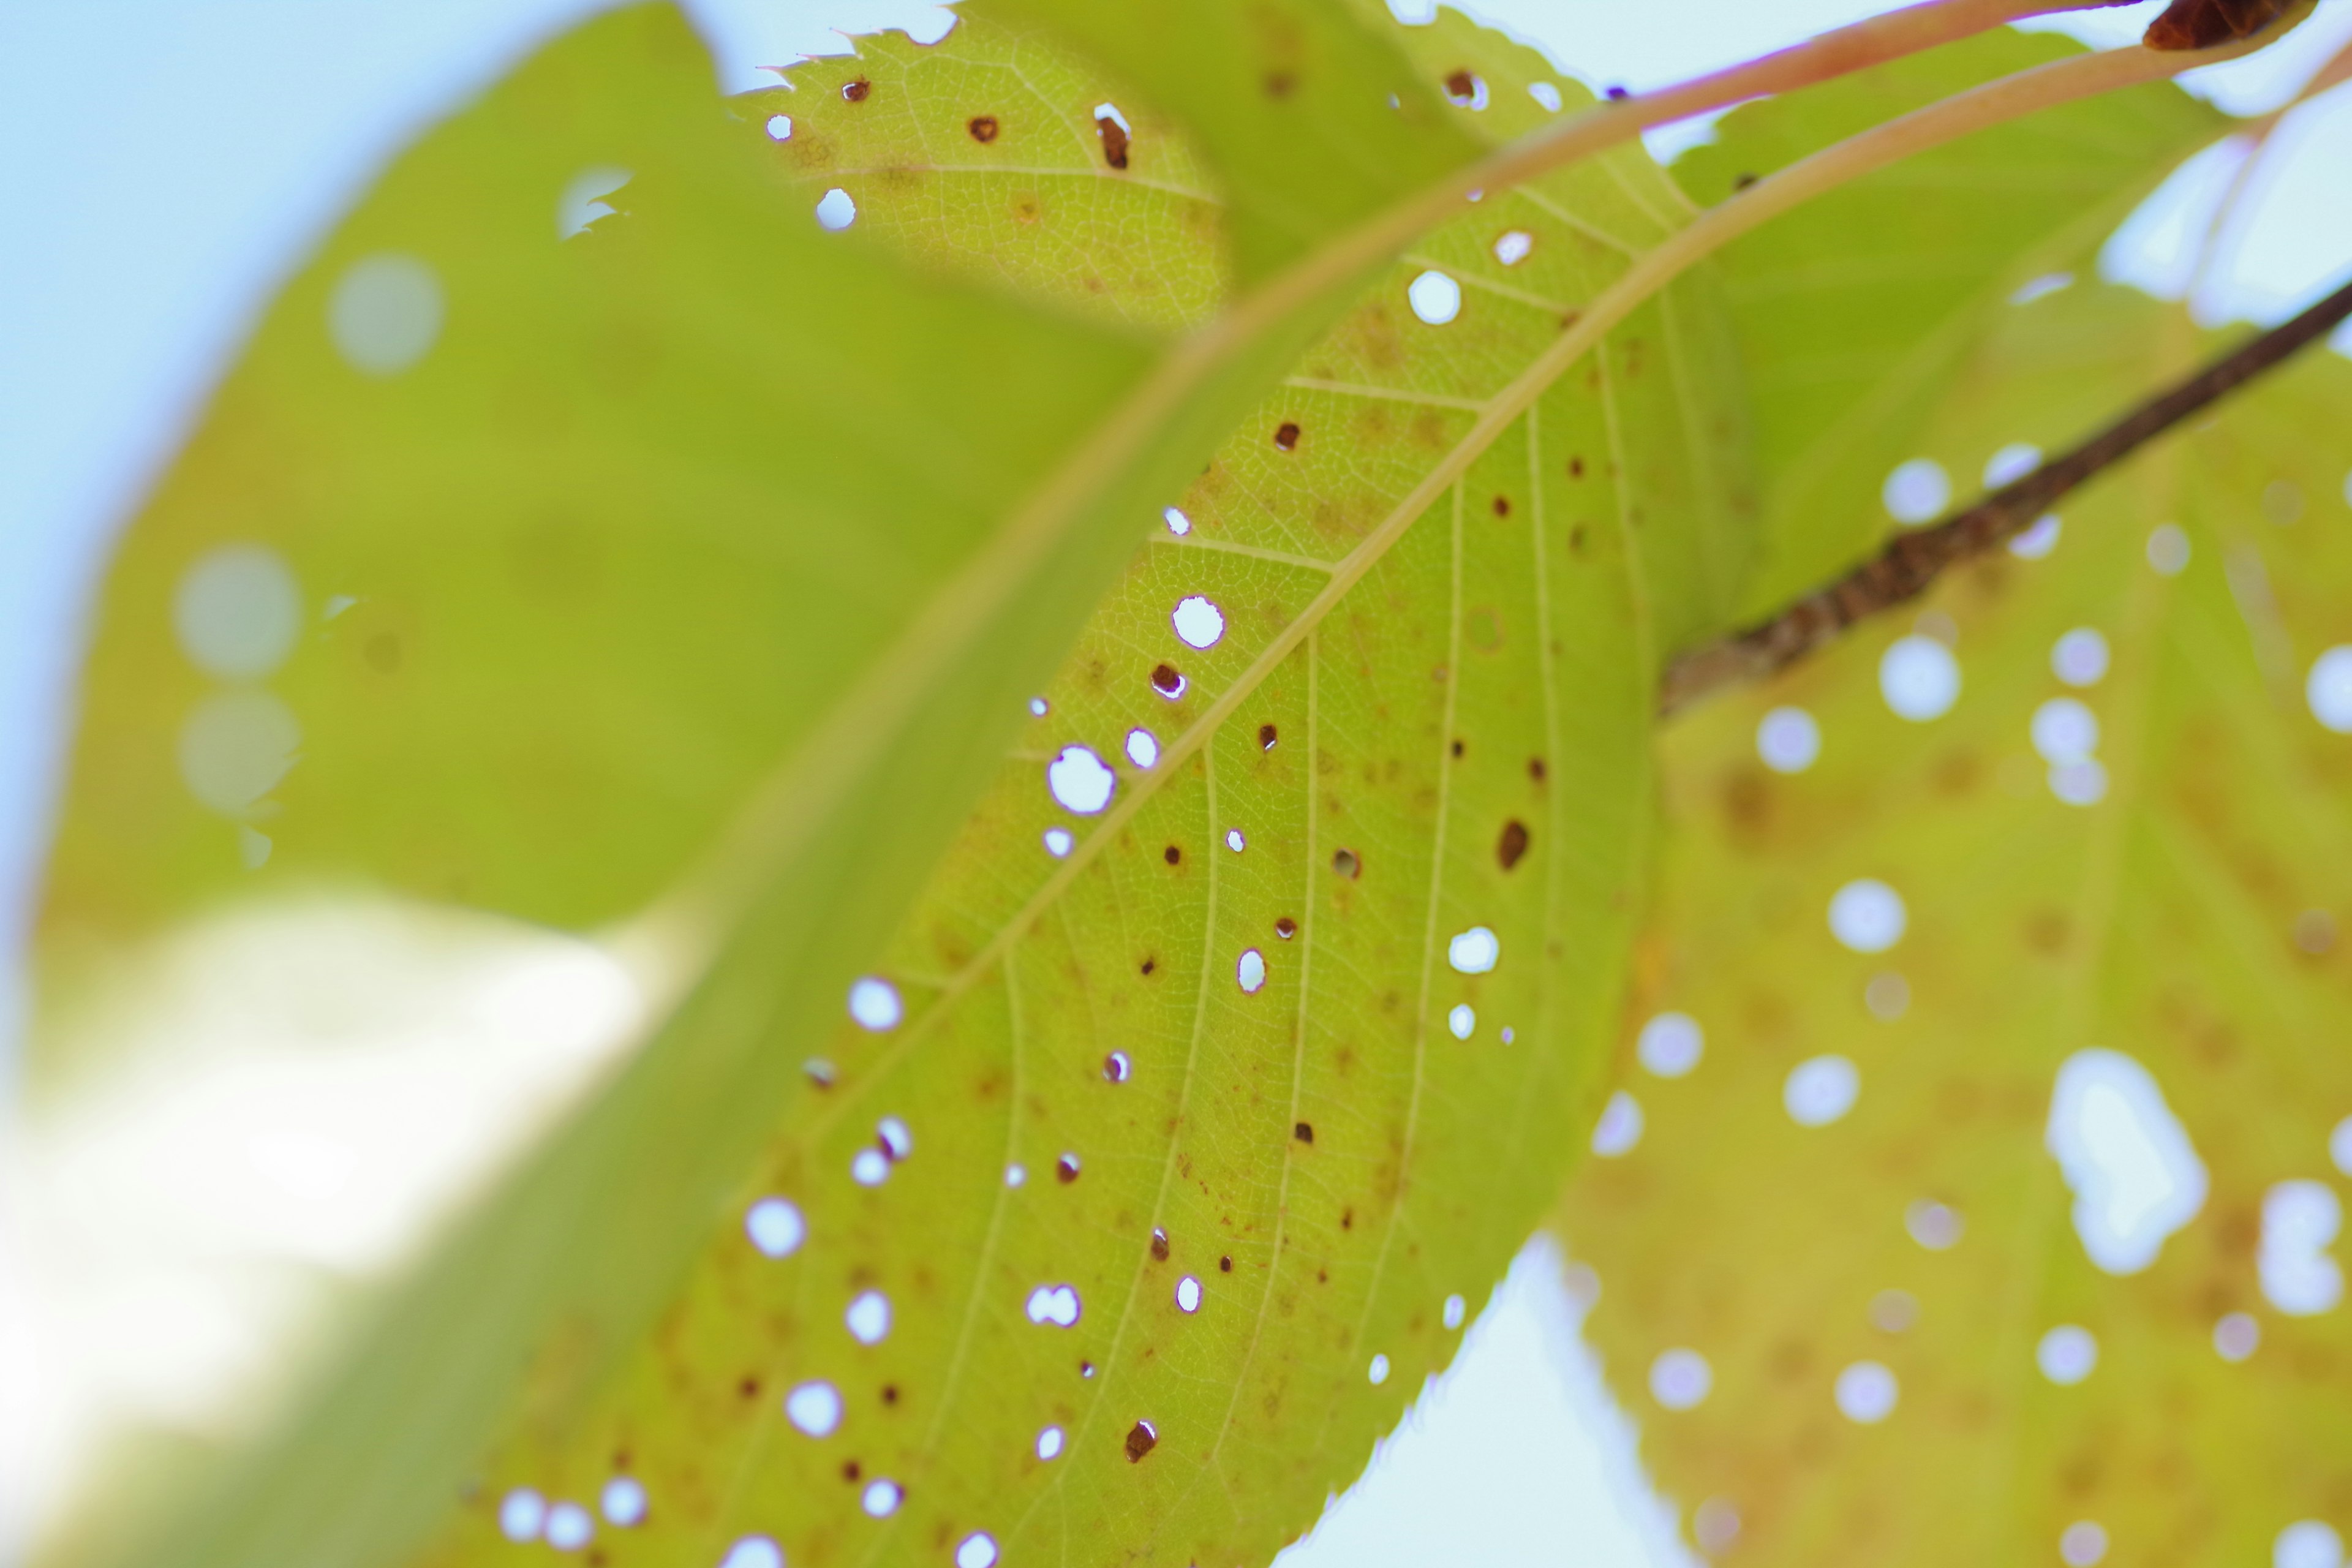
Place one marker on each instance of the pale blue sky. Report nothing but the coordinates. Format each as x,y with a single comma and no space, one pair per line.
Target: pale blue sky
168,160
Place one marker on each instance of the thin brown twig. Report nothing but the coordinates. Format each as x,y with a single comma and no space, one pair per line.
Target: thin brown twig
1909,565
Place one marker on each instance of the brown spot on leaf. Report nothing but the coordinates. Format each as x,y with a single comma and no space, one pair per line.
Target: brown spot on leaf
1142,1438
1576,540
1576,468
982,128
1225,1264
748,1389
1114,142
1172,854
1166,679
850,1472
1462,87
1285,927
1266,736
1065,1169
1158,1244
1502,506
855,89
1348,864
1285,436
1457,748
1512,844
2046,933
1742,181
1149,965
1347,1219
1536,769
889,1393
1280,84
1304,1132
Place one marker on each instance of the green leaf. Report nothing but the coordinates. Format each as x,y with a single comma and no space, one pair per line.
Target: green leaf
2186,919
1854,315
1226,1002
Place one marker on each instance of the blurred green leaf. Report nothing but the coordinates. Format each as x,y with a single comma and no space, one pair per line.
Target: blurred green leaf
2168,890
1854,315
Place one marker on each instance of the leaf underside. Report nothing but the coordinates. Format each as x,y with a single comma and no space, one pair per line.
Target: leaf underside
1398,737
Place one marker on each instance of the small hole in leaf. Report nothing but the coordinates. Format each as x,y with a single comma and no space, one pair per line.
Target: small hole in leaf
982,127
1188,1294
1080,781
1142,748
1249,971
1142,1438
780,128
1435,298
1285,927
1347,864
1266,736
1054,1305
1065,1169
1049,1443
1236,841
1116,1068
1304,1132
522,1514
1512,844
1514,246
814,1408
854,90
1198,621
1285,436
837,210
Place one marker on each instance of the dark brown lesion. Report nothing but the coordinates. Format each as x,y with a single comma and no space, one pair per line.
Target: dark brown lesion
1114,142
1512,844
856,90
982,127
1142,1438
